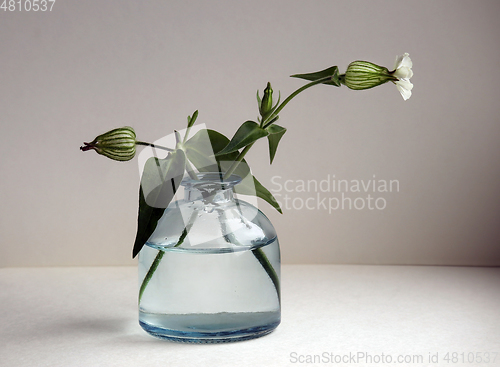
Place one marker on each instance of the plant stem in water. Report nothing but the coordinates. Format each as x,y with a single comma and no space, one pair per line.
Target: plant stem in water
268,267
258,253
160,254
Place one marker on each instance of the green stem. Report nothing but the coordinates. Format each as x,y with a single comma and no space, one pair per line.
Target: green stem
238,159
268,267
269,120
191,121
150,273
153,146
160,254
188,130
258,253
290,97
190,171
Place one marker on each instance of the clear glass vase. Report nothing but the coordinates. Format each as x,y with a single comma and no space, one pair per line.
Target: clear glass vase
210,272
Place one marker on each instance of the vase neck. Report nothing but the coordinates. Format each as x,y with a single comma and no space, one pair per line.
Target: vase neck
210,187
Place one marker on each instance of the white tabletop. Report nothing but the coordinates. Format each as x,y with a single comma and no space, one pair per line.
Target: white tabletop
355,315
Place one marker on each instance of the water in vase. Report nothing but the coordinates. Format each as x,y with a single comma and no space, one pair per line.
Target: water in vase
212,295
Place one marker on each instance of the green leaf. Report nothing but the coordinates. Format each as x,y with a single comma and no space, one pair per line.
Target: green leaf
191,120
160,180
147,220
248,133
332,72
251,186
276,132
200,149
197,151
266,195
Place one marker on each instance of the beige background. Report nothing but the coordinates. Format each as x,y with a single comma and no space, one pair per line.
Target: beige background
90,66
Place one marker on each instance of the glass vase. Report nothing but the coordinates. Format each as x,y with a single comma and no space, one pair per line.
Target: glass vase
210,272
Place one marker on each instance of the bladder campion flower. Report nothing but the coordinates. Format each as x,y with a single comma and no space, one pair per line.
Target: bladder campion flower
364,75
117,144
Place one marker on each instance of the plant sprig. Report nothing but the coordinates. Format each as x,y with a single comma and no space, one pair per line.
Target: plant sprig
211,151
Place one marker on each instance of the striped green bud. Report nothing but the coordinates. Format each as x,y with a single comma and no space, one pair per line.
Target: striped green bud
118,144
365,75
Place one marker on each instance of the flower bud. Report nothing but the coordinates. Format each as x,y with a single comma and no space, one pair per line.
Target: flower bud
118,144
365,75
266,105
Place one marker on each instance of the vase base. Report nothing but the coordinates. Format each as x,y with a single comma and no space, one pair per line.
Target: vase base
212,328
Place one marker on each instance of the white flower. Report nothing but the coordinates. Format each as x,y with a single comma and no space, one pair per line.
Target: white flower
402,71
404,86
364,75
